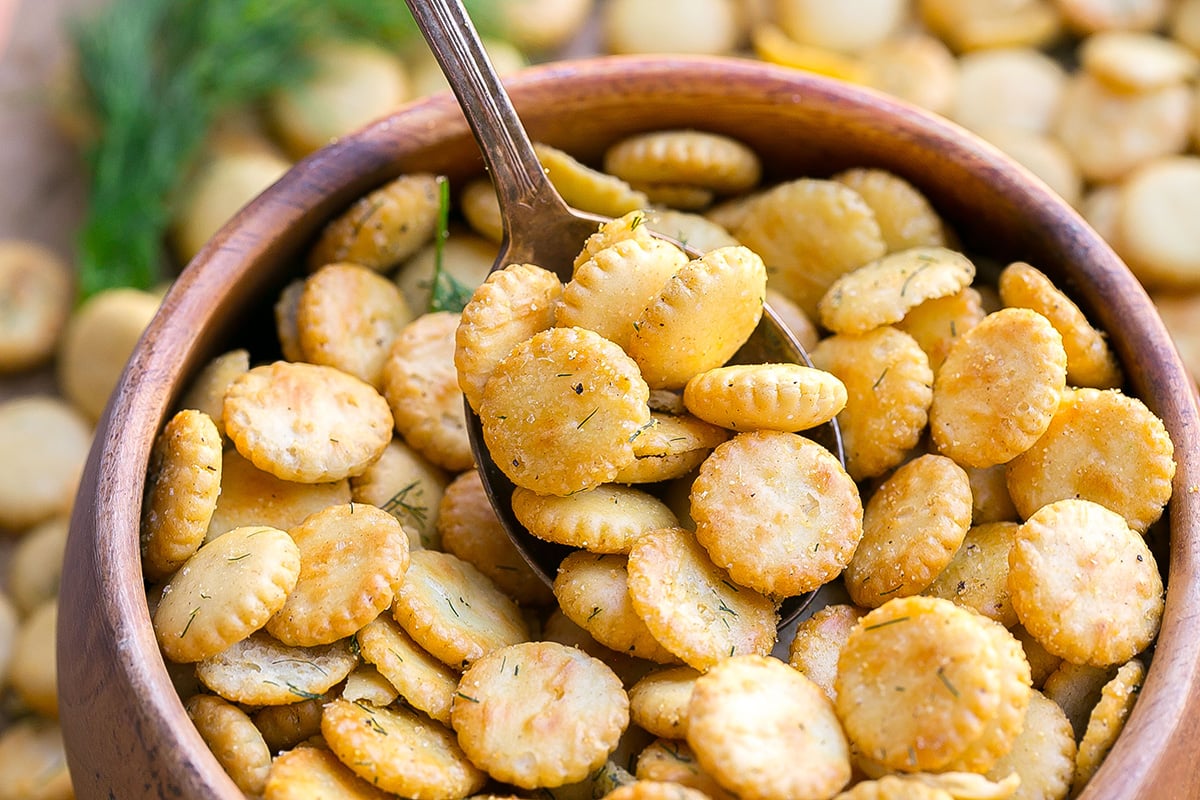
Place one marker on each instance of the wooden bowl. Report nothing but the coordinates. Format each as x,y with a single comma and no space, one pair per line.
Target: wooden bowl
125,729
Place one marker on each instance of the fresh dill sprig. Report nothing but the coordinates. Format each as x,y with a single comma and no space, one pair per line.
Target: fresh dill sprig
156,75
447,293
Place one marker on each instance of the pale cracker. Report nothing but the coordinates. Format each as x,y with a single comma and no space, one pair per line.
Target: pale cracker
1043,155
810,232
470,529
998,389
1135,61
633,225
400,751
310,772
906,539
588,189
1042,663
36,286
658,701
561,410
777,511
509,699
383,227
977,575
1107,721
1111,133
455,612
251,496
1092,16
685,157
511,305
206,391
781,397
1009,87
775,46
702,315
849,28
100,336
945,682
33,670
347,317
46,442
406,485
261,671
1043,756
1101,445
881,292
183,480
423,681
1181,314
818,640
608,292
33,761
607,519
593,591
913,66
352,561
1090,362
677,432
35,567
234,741
936,324
905,216
742,727
1154,234
893,787
691,606
1065,560
422,391
305,422
888,390
225,592
968,25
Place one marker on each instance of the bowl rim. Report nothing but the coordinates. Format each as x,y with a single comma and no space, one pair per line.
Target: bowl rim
103,545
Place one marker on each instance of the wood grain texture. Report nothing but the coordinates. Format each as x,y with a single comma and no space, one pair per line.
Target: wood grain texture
109,666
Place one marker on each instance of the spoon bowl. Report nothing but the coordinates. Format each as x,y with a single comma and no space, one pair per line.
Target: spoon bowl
541,228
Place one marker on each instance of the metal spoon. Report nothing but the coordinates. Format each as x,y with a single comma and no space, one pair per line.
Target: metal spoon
540,228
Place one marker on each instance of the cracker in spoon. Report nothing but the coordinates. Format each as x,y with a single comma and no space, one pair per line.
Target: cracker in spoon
607,519
780,397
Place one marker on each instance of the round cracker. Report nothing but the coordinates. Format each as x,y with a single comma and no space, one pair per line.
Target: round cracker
888,390
227,590
46,442
704,313
1064,563
539,714
36,286
742,727
352,561
778,511
658,702
1107,721
383,227
690,158
936,324
977,575
306,422
906,218
408,486
422,680
561,410
1103,446
998,388
233,739
309,772
586,188
907,538
691,606
1043,755
454,611
400,751
818,641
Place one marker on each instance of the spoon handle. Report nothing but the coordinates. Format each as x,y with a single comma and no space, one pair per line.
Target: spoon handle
524,192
